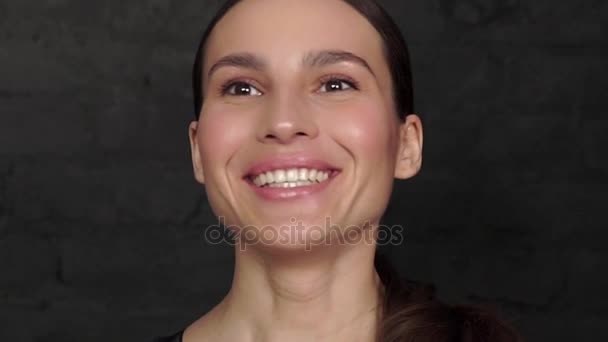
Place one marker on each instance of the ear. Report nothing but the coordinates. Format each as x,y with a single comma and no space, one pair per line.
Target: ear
409,157
196,156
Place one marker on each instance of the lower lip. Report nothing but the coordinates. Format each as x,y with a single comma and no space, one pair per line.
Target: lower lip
271,193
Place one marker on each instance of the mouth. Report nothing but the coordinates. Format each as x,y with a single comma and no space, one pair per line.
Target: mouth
289,177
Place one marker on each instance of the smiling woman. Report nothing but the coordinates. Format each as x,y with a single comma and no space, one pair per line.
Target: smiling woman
304,118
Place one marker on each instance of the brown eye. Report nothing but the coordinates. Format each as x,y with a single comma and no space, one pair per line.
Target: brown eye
241,89
335,84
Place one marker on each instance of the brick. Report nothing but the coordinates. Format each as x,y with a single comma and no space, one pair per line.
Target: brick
453,81
434,210
126,20
62,190
501,149
6,169
563,325
586,282
513,150
561,212
28,262
76,321
101,192
104,18
90,250
13,326
528,142
198,257
43,127
112,123
481,21
483,269
143,268
106,47
157,191
139,273
120,268
114,105
595,144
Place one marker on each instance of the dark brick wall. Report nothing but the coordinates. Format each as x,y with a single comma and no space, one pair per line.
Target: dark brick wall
101,220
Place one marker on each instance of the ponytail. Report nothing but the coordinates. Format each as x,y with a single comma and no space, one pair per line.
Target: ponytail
410,312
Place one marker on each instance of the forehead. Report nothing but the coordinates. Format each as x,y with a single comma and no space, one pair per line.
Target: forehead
285,30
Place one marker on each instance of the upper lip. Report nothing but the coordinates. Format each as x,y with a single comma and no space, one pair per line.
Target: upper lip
288,162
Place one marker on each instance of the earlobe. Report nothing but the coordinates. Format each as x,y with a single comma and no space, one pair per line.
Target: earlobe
196,156
409,156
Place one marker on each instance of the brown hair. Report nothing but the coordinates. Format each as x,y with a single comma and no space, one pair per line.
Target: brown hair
410,311
395,51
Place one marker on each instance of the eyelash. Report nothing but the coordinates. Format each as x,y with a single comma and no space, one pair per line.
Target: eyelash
223,91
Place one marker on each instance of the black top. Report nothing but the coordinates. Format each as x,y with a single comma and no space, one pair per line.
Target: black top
173,338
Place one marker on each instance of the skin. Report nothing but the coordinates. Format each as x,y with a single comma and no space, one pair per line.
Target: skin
284,291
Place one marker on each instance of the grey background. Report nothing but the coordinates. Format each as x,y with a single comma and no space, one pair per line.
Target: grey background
101,219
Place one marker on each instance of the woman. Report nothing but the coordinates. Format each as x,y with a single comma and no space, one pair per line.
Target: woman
304,119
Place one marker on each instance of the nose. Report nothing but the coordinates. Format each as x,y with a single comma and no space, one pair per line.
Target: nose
286,119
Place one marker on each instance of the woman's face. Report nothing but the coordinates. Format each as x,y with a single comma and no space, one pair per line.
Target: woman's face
291,84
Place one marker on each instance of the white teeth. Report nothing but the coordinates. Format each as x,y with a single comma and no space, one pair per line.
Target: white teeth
256,181
320,177
263,178
290,178
279,176
269,177
292,175
289,184
312,175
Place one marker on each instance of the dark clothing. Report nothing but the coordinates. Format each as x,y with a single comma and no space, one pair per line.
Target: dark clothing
173,338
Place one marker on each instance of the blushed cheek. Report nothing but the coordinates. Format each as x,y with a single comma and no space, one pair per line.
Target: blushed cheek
221,135
365,128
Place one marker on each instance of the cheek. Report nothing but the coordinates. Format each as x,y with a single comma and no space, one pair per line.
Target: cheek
366,128
222,133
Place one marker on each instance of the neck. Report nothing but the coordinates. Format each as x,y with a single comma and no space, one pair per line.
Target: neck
326,294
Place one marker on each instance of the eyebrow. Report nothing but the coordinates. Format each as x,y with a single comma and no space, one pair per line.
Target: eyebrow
312,59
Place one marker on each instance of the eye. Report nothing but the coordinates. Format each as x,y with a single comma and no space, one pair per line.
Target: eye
337,84
240,88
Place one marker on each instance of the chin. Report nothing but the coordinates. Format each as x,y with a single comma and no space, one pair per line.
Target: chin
303,237
284,237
